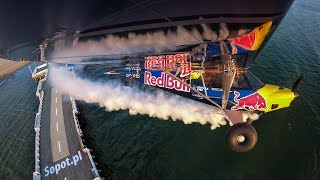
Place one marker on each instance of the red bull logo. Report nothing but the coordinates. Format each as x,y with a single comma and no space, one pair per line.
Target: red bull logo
253,101
254,39
245,41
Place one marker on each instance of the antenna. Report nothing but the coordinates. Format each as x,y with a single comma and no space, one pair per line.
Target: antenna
114,15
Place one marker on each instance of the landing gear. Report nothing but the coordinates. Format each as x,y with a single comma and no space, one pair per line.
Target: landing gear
242,137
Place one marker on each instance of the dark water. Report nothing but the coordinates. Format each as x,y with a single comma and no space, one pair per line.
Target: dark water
18,105
140,147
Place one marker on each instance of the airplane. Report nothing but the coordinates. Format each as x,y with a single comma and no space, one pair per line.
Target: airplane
217,74
222,84
215,70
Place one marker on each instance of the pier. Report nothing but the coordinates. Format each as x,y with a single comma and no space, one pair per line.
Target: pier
59,150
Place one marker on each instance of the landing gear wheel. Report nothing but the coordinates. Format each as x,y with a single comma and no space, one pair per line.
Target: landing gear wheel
242,137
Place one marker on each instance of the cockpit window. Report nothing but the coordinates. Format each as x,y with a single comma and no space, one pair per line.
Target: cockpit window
243,80
247,81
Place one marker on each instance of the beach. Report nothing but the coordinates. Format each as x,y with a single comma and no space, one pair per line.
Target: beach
8,67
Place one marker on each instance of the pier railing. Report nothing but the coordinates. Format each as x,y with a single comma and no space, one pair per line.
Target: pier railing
37,126
75,112
93,169
83,147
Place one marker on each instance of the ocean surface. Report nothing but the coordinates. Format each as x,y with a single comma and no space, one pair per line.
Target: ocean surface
18,106
140,147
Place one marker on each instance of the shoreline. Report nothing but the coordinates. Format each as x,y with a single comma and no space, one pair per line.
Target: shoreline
8,67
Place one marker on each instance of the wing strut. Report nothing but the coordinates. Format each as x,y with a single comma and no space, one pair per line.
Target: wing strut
192,88
234,117
228,74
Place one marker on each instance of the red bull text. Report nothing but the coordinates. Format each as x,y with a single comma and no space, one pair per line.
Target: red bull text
164,81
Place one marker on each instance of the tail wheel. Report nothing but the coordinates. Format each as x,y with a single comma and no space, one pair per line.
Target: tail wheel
242,137
126,83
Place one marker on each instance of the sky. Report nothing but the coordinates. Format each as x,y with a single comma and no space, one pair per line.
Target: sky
26,20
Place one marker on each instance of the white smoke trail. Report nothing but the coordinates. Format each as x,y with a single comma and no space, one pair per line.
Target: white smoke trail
135,43
114,96
158,41
223,31
208,33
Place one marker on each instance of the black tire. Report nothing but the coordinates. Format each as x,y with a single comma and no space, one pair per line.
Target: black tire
126,83
235,139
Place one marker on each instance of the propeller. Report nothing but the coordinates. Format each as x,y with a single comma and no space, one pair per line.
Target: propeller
295,85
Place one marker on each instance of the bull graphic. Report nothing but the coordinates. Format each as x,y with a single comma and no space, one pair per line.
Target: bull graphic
253,101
